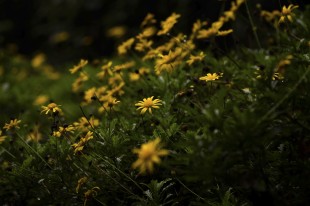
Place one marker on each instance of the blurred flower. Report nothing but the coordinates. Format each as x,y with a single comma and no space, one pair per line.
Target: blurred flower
124,66
122,49
286,13
2,137
116,31
41,99
60,37
12,125
197,58
148,104
168,24
168,62
51,107
38,60
211,77
78,83
90,193
76,68
148,20
85,125
63,130
105,70
81,182
148,154
78,147
224,32
34,134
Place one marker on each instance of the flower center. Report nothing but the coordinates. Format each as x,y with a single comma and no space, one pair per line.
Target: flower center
148,103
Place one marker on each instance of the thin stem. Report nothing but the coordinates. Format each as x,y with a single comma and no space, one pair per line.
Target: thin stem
34,151
252,25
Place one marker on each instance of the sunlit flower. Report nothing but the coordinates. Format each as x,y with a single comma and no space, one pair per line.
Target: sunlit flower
79,66
2,137
51,107
168,23
211,77
287,14
148,104
81,182
148,154
125,46
197,58
14,124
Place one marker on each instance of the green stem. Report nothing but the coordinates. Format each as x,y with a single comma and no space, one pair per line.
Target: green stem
252,25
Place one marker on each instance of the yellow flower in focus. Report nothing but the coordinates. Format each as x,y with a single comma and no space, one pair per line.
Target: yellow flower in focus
14,124
148,104
122,49
51,107
79,66
168,24
211,77
197,58
2,138
287,14
148,154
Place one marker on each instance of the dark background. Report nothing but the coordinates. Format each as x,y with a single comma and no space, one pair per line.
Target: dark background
31,24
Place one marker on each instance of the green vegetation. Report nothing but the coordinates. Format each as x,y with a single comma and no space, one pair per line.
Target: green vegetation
173,119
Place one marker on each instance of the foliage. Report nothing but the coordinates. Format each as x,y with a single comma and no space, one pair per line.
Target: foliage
226,127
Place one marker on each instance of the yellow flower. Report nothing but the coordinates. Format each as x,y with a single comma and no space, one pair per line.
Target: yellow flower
34,134
86,124
60,37
168,24
148,104
79,66
90,193
122,49
148,154
38,60
78,147
78,83
81,182
117,31
12,125
287,13
105,69
41,99
2,138
149,19
52,107
211,77
224,32
197,58
124,66
63,130
168,62
143,44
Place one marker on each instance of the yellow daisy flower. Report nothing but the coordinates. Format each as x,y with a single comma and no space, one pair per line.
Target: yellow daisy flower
211,77
148,154
12,125
287,13
148,104
52,107
79,66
